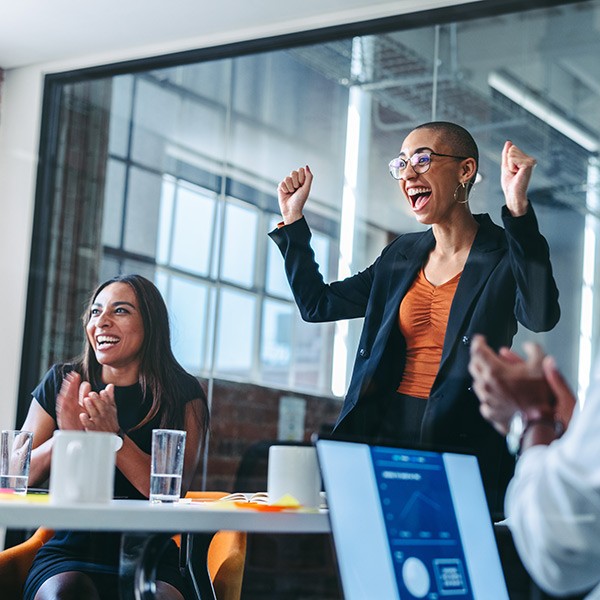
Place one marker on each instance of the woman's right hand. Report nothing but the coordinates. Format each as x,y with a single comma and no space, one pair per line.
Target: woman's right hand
68,401
293,193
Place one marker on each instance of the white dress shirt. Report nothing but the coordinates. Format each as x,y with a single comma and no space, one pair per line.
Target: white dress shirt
553,505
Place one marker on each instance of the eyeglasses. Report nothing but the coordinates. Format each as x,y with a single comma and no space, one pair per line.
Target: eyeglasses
420,162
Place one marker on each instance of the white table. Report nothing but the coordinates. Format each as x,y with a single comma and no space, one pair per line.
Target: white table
146,527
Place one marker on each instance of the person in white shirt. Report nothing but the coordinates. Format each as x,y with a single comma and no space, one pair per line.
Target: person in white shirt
553,501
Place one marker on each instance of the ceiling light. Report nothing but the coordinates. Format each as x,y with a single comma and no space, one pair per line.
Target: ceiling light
543,110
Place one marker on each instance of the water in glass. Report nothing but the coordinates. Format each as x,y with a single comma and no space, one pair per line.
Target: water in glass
165,488
18,484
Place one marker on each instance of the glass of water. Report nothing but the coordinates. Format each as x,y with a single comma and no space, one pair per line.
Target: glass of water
168,447
15,455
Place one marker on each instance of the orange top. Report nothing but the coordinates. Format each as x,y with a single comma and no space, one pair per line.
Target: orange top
423,317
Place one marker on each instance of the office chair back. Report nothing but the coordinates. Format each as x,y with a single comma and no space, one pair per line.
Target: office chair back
226,555
15,563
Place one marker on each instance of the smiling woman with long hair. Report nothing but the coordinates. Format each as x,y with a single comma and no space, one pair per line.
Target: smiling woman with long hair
126,382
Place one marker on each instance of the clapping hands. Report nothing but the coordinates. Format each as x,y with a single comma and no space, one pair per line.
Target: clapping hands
80,408
100,411
505,383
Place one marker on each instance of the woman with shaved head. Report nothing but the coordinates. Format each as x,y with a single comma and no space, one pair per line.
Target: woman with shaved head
427,294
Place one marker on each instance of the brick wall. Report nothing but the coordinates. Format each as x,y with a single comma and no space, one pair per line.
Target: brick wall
244,418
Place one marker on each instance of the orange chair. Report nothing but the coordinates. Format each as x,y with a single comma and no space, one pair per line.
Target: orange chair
226,558
15,563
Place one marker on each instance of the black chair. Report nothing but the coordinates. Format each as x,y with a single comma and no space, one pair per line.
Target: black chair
280,566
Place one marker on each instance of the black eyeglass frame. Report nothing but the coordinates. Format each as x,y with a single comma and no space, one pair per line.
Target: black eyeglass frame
409,161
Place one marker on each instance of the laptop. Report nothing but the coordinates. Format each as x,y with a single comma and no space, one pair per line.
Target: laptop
409,523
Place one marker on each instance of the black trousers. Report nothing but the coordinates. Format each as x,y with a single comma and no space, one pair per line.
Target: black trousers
401,418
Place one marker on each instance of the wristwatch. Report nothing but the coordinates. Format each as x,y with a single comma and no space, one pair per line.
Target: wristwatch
121,435
520,423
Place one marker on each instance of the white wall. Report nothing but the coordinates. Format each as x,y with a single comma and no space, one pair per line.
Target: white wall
19,132
19,128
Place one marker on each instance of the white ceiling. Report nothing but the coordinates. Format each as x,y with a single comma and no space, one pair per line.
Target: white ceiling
43,31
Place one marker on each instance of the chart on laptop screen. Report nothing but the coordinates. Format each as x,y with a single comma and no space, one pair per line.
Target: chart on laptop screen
423,534
409,523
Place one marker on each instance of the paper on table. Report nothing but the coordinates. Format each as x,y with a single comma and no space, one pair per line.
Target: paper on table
10,495
286,501
257,497
240,500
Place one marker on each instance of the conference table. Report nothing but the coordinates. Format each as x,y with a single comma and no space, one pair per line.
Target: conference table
147,527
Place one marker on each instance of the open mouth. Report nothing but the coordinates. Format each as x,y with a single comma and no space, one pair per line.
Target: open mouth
418,197
105,341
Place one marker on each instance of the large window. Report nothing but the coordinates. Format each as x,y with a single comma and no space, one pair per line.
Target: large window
172,207
171,170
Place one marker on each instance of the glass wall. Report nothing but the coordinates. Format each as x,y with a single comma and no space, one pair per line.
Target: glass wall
171,171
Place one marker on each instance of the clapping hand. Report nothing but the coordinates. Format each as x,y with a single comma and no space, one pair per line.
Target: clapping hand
565,398
293,193
506,383
68,401
517,168
100,410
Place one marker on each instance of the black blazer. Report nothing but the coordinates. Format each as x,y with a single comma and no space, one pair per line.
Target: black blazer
507,277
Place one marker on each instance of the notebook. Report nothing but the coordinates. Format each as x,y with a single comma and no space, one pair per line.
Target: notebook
409,523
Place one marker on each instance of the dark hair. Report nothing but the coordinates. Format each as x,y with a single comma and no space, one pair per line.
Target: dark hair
161,376
459,140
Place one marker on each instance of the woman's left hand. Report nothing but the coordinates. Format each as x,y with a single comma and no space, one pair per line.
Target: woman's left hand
100,411
517,168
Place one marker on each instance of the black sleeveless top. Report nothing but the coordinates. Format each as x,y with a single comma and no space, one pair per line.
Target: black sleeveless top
92,551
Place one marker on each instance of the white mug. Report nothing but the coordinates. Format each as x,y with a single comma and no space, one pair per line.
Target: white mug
82,468
294,470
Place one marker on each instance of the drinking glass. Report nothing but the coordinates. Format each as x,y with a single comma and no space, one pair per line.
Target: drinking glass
15,455
168,447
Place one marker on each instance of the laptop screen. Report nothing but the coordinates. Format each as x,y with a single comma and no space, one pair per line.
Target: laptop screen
409,523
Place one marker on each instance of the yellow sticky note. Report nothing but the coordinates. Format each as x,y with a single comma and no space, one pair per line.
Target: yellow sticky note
287,500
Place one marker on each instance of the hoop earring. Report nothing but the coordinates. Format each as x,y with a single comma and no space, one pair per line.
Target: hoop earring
462,185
